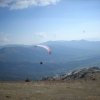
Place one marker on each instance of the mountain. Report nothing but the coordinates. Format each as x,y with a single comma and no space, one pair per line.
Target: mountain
92,73
87,74
61,51
19,61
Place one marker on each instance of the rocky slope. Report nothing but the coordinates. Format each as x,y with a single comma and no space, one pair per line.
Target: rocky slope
92,73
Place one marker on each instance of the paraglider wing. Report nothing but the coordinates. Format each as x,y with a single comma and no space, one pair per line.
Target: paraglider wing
46,47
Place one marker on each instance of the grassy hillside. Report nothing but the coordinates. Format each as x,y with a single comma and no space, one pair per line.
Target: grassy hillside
50,90
79,85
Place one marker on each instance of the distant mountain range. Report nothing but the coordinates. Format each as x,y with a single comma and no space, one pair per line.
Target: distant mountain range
62,51
19,61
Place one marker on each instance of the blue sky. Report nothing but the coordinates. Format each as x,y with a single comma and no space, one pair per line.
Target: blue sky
36,21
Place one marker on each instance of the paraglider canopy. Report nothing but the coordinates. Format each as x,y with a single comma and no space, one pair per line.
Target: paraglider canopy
43,46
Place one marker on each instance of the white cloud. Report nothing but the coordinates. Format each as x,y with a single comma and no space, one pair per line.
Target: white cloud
41,34
21,4
5,3
4,37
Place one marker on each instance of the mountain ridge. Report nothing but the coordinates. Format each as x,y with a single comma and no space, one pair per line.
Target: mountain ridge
18,62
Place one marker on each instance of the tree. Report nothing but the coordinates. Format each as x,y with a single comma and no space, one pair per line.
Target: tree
27,80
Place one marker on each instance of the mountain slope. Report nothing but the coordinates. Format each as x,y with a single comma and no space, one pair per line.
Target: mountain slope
18,62
61,51
92,73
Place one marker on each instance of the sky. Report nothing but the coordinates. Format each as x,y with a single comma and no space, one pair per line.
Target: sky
36,21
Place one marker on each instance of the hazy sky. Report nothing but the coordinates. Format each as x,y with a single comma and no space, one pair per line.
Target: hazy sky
36,21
